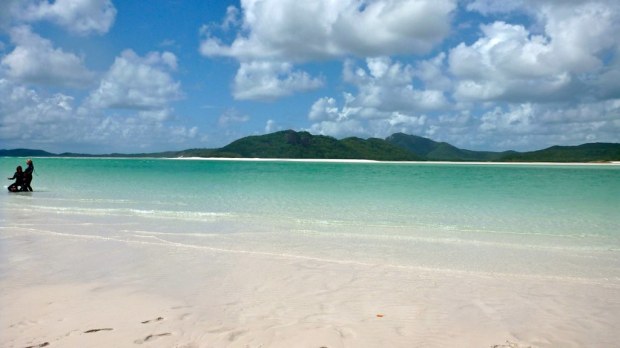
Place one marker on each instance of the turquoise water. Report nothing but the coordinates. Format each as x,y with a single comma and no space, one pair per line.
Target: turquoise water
504,220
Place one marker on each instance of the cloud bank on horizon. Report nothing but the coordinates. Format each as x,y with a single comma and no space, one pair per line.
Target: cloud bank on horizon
108,76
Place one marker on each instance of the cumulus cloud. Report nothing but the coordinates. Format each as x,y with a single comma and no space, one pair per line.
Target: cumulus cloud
304,30
395,97
82,17
329,119
511,63
507,63
23,112
29,118
272,35
524,126
520,125
35,60
270,80
140,83
387,86
432,73
326,109
386,100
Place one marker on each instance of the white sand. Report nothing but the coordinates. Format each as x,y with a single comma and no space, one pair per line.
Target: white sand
62,278
323,160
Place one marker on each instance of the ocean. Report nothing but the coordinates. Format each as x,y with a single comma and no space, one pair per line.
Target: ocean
494,220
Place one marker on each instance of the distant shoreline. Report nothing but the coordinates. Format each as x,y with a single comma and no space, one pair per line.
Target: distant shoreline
324,160
320,160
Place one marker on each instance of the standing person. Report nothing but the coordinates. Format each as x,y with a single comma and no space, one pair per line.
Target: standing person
19,180
28,175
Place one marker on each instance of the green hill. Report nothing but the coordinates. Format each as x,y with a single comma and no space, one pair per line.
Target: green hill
291,144
592,152
440,151
378,149
25,153
41,153
396,147
284,144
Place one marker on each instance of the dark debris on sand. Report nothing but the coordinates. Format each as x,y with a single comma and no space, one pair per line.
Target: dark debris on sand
44,344
97,330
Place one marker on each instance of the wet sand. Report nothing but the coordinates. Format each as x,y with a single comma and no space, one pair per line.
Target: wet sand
72,290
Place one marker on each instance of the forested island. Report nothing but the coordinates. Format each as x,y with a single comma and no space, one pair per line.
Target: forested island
291,144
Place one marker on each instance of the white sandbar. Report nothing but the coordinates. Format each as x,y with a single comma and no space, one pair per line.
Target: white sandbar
74,284
322,160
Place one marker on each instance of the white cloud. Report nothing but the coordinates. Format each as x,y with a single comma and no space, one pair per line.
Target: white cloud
349,120
35,60
273,34
232,117
511,63
142,83
386,100
294,30
529,126
327,109
517,120
432,73
581,33
23,112
270,80
78,16
56,122
118,133
373,111
387,86
341,129
507,63
271,126
526,125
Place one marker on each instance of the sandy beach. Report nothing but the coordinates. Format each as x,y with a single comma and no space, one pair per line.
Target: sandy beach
65,290
273,254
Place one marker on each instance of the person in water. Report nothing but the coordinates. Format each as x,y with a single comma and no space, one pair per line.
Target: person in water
19,180
28,175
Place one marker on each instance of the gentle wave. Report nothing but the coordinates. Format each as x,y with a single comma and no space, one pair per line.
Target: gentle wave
110,201
613,282
459,241
407,238
445,228
152,213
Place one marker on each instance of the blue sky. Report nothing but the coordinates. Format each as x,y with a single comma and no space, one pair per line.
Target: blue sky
103,76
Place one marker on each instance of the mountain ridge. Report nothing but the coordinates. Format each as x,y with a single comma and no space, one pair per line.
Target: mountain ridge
292,144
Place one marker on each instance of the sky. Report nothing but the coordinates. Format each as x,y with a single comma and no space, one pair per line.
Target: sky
103,76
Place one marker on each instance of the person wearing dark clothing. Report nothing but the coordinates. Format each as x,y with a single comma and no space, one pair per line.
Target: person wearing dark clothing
19,180
28,175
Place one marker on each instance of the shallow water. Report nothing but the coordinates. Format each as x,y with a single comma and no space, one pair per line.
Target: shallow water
549,221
